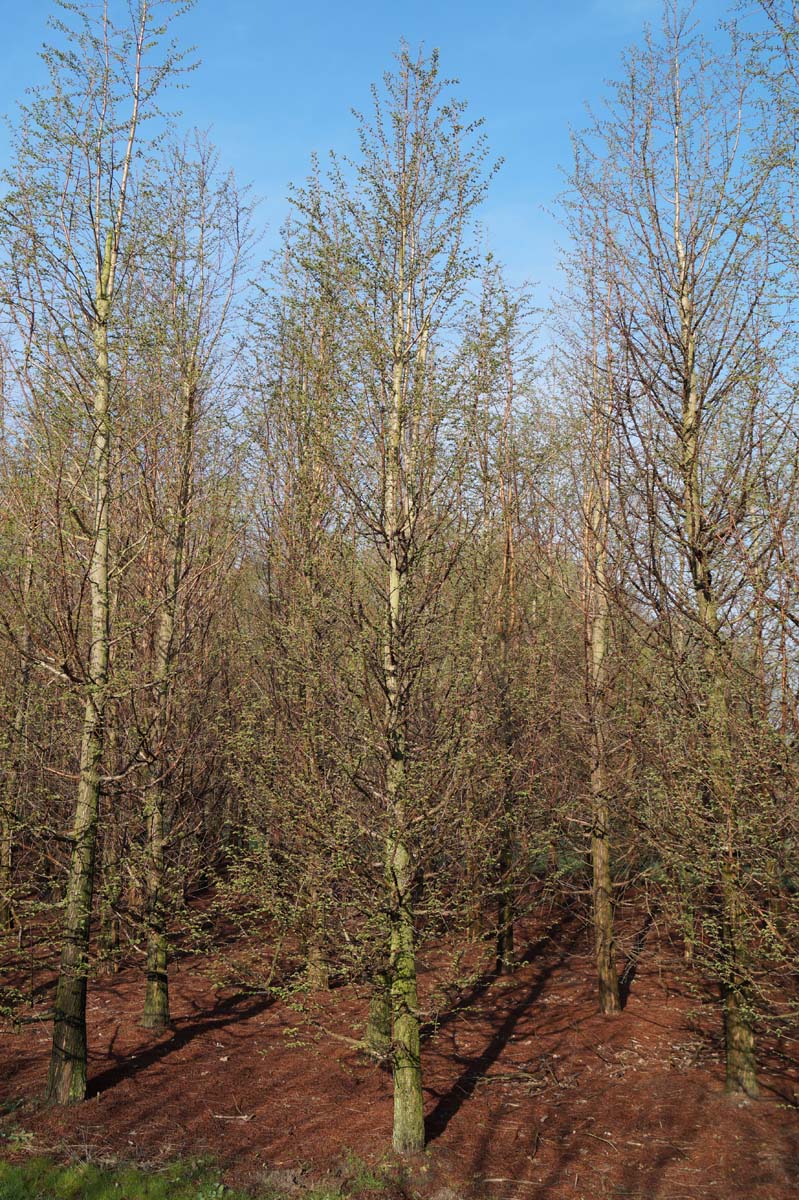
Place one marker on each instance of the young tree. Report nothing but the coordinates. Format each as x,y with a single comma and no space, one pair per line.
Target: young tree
186,284
593,380
64,229
395,226
683,221
599,396
498,365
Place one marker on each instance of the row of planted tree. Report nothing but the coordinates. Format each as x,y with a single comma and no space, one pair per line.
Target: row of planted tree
358,593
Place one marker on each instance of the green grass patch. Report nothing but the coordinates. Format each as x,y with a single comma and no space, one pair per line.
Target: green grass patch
361,1177
43,1179
40,1179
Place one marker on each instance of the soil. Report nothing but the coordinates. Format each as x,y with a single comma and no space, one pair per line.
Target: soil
529,1092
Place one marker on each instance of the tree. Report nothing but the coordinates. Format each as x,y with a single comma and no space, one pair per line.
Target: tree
393,229
598,384
683,223
187,285
498,364
64,227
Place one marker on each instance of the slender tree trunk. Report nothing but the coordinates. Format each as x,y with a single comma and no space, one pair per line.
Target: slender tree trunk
7,823
506,914
378,1024
739,1038
10,804
408,1134
68,1066
506,904
602,889
112,864
597,614
110,930
156,998
474,864
318,970
607,976
506,911
688,917
67,1077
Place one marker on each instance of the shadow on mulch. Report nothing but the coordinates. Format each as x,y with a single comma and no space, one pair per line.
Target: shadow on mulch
228,1012
451,1102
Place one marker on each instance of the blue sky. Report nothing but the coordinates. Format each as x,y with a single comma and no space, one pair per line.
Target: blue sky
277,81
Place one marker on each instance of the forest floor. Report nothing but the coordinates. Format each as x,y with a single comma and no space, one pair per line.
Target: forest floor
529,1092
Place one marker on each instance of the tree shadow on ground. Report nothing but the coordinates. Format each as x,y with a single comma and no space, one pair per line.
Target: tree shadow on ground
630,970
475,1069
227,1012
484,982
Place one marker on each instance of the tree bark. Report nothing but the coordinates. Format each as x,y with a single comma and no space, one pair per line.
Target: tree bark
408,1136
378,1024
66,1082
156,999
597,615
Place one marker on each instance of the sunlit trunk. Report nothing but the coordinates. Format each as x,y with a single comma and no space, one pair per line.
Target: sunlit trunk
67,1077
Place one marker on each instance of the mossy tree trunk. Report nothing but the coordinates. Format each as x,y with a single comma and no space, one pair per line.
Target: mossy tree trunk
68,1062
408,1135
378,1023
205,232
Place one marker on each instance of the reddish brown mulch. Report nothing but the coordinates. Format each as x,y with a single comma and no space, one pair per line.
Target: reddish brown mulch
529,1092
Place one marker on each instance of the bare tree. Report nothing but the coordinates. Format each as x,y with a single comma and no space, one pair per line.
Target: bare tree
64,227
683,222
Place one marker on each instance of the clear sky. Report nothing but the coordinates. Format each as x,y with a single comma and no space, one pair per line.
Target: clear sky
277,82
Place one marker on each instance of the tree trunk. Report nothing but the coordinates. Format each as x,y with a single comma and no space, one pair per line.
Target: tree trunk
597,630
156,999
506,901
10,805
408,1134
378,1024
8,816
67,1076
110,929
156,996
607,975
408,1100
506,914
68,1066
602,884
7,822
506,909
318,970
739,1037
602,887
